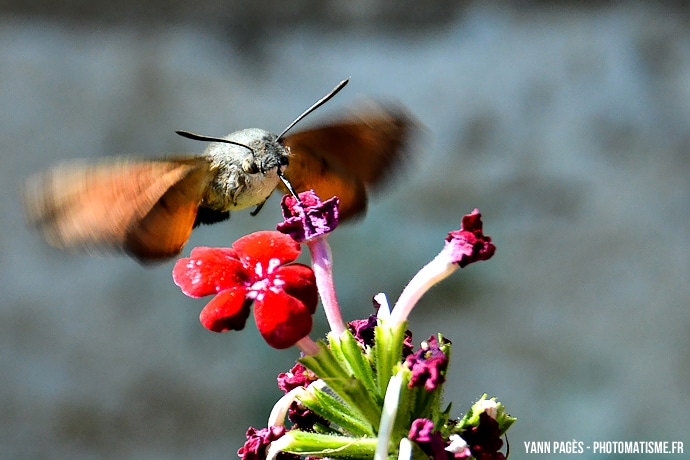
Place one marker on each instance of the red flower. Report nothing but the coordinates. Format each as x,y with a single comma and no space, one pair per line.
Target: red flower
254,269
469,244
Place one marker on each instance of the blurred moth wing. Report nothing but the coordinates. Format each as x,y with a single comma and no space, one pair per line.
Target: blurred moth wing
347,158
148,208
145,208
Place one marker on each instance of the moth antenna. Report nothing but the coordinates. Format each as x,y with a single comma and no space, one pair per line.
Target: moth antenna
315,106
201,137
288,185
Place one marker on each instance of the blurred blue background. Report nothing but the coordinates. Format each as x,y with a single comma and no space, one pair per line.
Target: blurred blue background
566,124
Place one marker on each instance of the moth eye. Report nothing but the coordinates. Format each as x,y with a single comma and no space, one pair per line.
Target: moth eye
250,167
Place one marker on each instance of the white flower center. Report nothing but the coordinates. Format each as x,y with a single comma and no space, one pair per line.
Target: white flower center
266,282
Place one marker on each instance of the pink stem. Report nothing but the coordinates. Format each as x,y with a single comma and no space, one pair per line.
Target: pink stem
323,271
307,346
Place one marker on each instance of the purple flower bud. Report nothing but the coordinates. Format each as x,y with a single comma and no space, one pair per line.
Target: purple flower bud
421,430
430,441
308,218
484,439
257,443
304,419
298,376
428,365
469,244
363,330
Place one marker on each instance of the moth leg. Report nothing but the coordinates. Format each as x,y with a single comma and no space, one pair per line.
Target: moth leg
209,216
258,208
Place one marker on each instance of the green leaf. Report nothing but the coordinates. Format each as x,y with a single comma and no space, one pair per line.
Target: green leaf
323,445
356,359
334,410
329,367
387,352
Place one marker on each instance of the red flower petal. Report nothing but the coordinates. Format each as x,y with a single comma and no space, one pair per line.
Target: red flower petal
227,310
300,282
208,271
261,247
203,251
282,319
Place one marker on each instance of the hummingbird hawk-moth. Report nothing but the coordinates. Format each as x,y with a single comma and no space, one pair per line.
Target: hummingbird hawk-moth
147,208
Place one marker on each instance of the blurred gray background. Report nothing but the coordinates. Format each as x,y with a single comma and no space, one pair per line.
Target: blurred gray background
565,123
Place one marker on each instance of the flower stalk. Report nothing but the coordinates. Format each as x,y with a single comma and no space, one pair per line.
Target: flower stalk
432,273
307,346
323,271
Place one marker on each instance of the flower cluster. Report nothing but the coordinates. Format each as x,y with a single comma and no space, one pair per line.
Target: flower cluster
363,392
